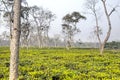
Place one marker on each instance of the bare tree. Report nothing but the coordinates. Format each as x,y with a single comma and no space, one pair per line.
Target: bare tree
49,17
25,26
14,45
8,12
56,40
42,19
92,6
5,35
34,13
108,14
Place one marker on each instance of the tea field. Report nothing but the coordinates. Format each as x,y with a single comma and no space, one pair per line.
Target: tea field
61,64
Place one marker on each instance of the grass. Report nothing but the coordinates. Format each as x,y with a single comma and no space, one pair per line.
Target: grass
61,64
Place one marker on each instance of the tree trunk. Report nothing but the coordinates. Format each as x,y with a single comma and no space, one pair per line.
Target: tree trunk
101,47
68,45
14,45
109,27
10,24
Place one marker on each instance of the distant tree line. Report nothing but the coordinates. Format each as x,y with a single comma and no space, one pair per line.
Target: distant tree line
36,23
112,45
32,24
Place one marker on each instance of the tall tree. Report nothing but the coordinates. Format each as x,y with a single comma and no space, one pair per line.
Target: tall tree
14,46
8,12
25,26
69,27
92,6
42,19
108,14
56,40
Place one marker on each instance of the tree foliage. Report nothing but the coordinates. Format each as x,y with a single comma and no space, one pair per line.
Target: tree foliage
69,26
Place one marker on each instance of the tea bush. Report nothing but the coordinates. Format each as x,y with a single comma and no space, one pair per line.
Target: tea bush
61,64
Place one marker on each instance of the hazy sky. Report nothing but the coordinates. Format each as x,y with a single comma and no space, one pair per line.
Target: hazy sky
62,7
59,8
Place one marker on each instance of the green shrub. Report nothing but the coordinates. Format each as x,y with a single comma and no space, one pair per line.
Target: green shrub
61,64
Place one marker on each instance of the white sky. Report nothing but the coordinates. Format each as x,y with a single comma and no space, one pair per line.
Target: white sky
62,7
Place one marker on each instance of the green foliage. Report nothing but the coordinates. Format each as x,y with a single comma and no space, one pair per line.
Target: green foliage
61,64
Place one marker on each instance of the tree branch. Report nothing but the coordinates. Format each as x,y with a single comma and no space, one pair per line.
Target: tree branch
114,9
103,0
2,10
5,6
111,11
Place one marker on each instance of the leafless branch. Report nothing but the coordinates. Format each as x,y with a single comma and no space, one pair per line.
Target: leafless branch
103,0
111,11
5,5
